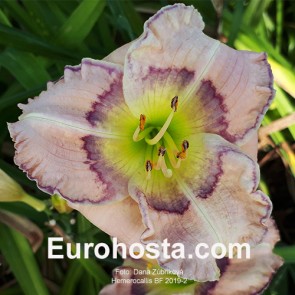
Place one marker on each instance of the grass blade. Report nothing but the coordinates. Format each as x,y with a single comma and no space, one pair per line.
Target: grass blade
25,67
72,278
80,23
21,260
22,40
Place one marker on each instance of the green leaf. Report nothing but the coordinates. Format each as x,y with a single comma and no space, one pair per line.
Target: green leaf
25,67
132,16
126,18
279,24
43,17
18,12
287,252
254,12
4,19
72,278
96,271
80,23
284,77
22,40
13,99
284,107
103,29
22,262
87,283
15,290
249,40
279,284
236,22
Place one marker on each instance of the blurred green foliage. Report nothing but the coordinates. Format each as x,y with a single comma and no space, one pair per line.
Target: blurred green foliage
38,38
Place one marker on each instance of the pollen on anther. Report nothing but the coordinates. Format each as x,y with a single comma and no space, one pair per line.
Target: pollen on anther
181,155
161,151
142,120
148,166
174,103
185,145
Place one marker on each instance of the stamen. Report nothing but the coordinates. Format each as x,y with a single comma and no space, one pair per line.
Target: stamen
148,168
182,155
142,120
161,154
174,104
141,135
172,150
162,151
161,164
167,172
185,145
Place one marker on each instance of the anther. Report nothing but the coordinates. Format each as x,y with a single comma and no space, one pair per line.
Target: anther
148,168
182,155
140,128
185,145
161,151
142,120
161,164
174,103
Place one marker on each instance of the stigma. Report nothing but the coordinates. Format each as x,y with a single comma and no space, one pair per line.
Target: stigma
163,129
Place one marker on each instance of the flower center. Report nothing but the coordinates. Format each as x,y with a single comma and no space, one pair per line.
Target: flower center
159,140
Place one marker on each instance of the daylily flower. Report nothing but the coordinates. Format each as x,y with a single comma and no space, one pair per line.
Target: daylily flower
166,128
60,204
11,191
238,276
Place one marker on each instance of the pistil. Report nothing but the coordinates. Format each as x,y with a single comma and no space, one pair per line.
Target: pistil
158,137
